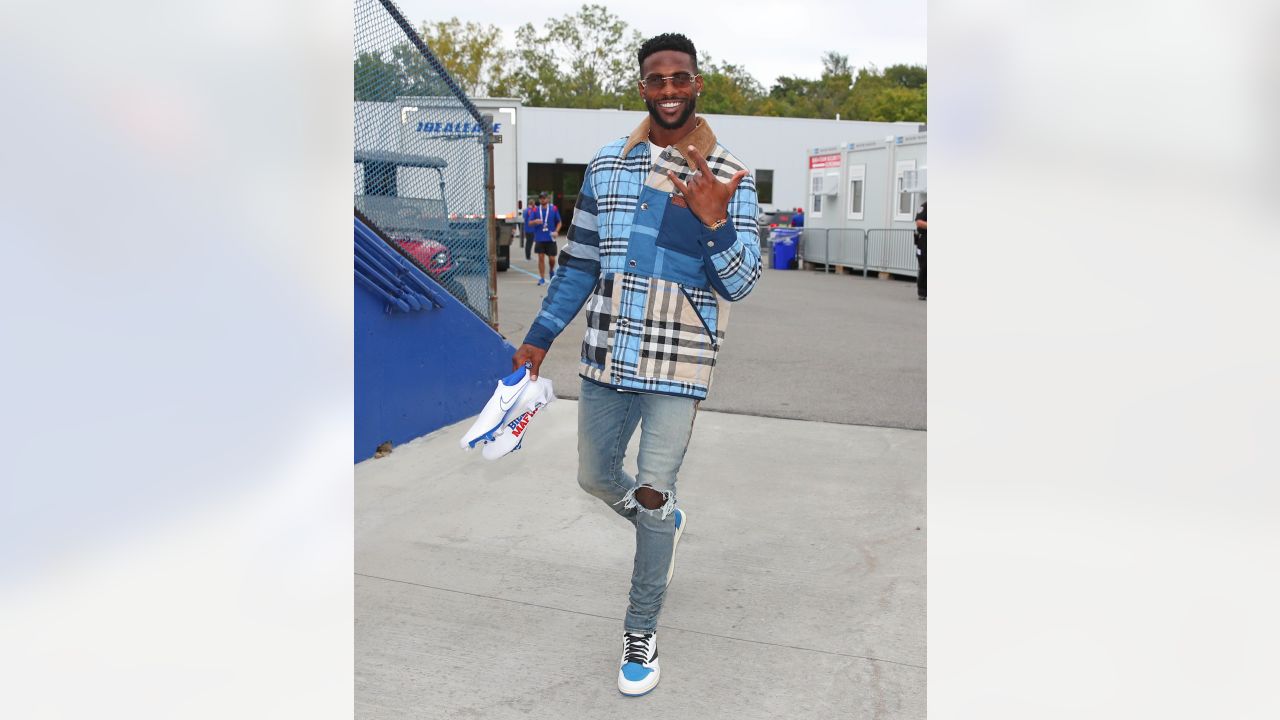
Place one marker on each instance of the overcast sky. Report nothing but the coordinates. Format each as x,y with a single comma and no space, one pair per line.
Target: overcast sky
767,38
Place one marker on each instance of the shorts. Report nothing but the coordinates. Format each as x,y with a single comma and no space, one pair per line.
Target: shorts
546,247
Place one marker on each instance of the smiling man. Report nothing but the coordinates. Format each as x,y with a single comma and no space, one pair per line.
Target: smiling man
663,238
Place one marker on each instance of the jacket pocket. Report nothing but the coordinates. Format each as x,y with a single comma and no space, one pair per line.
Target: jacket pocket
698,310
681,231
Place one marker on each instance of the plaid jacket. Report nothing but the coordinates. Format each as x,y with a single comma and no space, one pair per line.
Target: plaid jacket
655,281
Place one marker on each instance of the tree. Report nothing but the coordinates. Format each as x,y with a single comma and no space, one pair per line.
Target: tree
472,53
821,98
582,60
899,93
728,89
376,79
907,76
407,72
588,60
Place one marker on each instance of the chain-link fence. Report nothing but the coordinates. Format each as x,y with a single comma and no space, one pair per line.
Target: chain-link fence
420,157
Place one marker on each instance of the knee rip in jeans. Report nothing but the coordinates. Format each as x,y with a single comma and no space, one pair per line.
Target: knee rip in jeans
665,506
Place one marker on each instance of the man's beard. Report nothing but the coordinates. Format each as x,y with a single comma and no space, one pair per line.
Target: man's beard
689,105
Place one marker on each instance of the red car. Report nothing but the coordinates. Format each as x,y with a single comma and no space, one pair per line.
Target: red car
433,257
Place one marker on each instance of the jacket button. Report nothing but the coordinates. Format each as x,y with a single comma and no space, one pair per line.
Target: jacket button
632,263
644,206
711,243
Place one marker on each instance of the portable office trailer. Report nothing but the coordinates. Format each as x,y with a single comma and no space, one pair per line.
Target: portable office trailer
863,199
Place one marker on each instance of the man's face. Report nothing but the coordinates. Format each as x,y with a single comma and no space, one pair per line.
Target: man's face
543,200
669,106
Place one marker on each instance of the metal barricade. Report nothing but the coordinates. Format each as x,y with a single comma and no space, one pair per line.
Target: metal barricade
892,250
813,246
831,247
847,247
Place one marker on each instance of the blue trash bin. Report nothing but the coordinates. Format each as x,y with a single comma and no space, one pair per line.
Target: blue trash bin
785,242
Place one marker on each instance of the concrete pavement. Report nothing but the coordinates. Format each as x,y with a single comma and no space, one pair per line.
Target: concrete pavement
803,345
497,589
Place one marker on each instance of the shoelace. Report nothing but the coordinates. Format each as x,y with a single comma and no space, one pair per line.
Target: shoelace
637,649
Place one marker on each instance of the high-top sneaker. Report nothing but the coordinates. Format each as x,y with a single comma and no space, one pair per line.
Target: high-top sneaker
639,672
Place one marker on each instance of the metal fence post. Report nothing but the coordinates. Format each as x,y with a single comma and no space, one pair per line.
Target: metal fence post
491,224
865,254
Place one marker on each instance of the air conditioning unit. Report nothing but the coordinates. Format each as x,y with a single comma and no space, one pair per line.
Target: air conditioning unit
825,184
915,181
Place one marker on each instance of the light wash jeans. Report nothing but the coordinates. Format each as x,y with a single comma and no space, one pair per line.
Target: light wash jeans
606,421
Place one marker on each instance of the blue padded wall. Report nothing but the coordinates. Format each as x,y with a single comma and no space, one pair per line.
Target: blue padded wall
421,370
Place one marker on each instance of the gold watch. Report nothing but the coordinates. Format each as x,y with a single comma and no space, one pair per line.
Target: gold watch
716,225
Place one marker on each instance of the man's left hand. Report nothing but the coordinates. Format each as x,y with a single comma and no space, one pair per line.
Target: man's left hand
707,197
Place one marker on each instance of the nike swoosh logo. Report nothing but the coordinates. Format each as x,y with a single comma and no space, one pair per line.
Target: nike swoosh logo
505,402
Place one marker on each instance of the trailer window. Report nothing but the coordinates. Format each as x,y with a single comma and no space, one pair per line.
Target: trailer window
764,186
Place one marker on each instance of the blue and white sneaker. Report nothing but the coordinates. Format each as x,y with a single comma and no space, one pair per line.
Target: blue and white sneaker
682,520
499,408
508,438
639,672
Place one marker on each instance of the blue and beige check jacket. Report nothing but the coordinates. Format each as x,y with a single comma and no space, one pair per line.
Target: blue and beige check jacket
655,281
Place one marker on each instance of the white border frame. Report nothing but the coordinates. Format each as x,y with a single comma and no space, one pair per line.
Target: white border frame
857,173
898,167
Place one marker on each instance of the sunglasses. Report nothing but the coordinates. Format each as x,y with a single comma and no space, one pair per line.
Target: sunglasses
655,81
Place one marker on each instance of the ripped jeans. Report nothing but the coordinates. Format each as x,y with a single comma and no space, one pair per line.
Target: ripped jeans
607,419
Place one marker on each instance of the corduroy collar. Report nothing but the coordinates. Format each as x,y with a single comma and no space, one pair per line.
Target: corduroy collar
701,137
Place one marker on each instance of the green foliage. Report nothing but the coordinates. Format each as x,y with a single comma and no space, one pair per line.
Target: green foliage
584,60
376,79
588,60
406,73
728,89
899,93
472,53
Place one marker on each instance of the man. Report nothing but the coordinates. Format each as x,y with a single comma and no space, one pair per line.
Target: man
663,237
526,240
542,222
797,220
922,228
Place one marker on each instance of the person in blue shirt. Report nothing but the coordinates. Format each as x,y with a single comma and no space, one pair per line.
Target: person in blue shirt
542,222
797,220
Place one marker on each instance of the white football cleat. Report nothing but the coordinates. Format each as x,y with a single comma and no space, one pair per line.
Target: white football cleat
509,438
498,410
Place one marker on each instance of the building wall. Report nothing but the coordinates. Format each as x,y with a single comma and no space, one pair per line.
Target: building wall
882,233
880,163
778,144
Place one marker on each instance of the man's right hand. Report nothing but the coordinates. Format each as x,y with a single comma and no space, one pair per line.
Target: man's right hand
530,354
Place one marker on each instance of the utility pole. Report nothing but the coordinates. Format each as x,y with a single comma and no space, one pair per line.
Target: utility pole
491,223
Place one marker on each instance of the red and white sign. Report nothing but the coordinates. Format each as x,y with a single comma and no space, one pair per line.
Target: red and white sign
824,161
